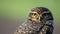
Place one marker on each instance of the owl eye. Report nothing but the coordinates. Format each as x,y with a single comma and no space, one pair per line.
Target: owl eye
34,13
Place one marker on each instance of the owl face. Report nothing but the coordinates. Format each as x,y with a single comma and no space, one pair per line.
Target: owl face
34,16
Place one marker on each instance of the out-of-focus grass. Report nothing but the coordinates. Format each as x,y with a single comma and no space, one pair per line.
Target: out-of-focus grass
19,8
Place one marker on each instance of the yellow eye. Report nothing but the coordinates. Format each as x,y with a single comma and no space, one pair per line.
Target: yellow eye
34,14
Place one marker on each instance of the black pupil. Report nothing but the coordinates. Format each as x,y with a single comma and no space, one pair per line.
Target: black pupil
33,13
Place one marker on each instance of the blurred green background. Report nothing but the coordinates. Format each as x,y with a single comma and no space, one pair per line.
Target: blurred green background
14,11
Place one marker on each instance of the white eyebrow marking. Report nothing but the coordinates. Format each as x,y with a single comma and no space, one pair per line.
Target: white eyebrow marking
33,12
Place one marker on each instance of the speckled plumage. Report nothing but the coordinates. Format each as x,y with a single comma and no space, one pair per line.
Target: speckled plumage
45,26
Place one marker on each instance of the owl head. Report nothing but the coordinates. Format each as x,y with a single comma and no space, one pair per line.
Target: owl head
39,14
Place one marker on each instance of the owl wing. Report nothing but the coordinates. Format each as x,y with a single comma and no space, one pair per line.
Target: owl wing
47,28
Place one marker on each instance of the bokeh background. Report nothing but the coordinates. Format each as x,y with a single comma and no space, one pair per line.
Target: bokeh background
14,12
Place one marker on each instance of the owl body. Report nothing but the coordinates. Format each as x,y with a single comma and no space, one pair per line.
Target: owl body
43,24
29,28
